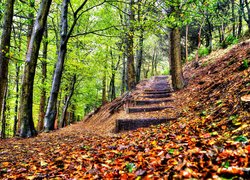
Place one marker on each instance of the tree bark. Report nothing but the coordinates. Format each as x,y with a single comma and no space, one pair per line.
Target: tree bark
27,128
247,18
240,11
175,59
233,17
140,46
186,45
3,116
124,75
30,22
104,88
130,49
43,81
19,45
66,105
4,48
199,42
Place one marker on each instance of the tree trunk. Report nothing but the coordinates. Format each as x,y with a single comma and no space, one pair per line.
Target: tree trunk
175,59
233,17
240,11
130,49
51,111
140,46
209,34
199,42
44,76
104,89
112,94
19,45
247,18
66,105
4,48
153,63
31,21
186,44
27,128
3,116
124,75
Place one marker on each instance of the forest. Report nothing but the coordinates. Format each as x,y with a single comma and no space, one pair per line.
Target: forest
69,68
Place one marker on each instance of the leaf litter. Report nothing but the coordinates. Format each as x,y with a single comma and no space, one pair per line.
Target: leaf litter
209,140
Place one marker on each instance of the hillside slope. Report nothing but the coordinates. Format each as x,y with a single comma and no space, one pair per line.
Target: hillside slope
210,139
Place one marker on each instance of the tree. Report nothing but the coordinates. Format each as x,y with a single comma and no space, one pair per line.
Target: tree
175,45
51,111
4,49
130,48
27,128
67,101
247,15
65,35
44,76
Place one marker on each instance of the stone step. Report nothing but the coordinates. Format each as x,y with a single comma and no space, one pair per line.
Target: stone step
157,95
146,109
132,124
144,102
157,92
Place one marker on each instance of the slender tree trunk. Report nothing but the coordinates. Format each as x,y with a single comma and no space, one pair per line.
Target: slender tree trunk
31,21
153,63
240,11
186,44
247,18
233,17
104,87
130,49
27,128
199,42
19,45
52,104
5,47
140,46
44,76
209,35
3,116
66,105
175,59
51,111
112,79
123,85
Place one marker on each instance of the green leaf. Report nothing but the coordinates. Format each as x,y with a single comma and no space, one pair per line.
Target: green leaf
130,167
171,151
226,164
241,139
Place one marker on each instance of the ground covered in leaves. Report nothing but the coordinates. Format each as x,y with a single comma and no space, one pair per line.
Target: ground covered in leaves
209,140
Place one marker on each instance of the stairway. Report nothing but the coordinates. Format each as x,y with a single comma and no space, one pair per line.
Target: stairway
149,106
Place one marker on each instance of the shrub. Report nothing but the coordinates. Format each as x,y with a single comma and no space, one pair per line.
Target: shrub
203,51
230,40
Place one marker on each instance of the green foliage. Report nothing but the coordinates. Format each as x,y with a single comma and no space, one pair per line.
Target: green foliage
226,164
244,65
241,138
231,40
166,71
203,51
130,167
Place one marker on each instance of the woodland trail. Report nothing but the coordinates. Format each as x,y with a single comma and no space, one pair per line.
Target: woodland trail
146,106
209,140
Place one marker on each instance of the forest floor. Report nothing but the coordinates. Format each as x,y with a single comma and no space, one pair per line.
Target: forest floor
209,140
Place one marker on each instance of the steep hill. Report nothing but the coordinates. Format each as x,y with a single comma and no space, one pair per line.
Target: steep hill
210,139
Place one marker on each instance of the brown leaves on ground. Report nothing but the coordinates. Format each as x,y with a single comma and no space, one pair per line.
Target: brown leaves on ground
210,140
